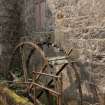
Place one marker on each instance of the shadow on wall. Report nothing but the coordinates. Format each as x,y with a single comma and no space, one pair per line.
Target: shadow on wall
10,31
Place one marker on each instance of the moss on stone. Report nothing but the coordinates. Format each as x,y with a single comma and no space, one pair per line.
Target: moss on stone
11,98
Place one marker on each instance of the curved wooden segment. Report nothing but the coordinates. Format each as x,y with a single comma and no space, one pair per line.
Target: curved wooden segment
28,58
24,59
33,45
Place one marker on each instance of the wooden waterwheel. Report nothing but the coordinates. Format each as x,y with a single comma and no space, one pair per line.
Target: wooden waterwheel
34,74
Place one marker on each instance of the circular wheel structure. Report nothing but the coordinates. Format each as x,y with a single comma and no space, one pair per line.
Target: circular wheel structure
29,58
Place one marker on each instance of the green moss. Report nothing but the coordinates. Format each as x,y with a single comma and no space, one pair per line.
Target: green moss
17,98
14,98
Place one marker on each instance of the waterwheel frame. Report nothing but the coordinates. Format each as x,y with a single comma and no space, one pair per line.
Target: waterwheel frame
33,84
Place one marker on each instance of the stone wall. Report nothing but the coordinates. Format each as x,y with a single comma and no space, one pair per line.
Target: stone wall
80,24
